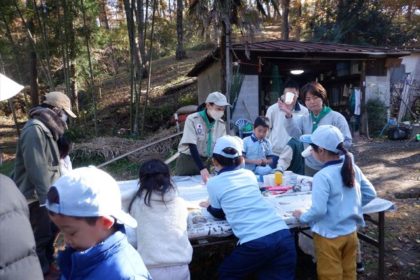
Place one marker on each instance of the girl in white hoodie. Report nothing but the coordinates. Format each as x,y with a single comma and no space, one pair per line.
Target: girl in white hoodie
162,238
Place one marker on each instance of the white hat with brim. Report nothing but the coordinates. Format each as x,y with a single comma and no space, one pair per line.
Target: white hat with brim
217,98
89,192
325,136
228,141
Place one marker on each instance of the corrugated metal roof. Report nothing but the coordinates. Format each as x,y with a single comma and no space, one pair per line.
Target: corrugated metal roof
314,47
320,49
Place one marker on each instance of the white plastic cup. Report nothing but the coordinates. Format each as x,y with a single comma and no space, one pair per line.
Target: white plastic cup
268,180
289,98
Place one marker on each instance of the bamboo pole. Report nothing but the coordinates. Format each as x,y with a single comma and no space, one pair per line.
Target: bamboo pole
139,149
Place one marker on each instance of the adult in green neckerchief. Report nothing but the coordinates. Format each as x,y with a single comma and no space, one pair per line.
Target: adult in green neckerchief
201,130
315,97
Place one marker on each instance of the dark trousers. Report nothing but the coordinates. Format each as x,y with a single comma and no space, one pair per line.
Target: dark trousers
185,165
270,257
44,232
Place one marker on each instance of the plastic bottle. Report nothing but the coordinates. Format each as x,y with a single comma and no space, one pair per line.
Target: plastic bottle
278,178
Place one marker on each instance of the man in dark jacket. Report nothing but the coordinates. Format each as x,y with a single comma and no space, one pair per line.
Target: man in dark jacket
37,166
18,260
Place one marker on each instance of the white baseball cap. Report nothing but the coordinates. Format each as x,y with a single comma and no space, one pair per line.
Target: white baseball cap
228,141
325,136
217,98
89,192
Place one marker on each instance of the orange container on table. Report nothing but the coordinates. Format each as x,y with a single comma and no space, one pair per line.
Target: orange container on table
278,178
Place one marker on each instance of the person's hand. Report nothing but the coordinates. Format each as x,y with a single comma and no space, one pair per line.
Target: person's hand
263,162
204,175
297,214
287,109
204,204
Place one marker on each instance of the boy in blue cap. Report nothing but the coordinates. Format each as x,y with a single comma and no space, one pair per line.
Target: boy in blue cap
85,205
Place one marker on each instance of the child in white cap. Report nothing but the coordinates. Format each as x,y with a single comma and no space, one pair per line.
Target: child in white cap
265,245
339,191
85,205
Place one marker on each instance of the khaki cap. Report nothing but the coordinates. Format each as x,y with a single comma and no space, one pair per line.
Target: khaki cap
59,100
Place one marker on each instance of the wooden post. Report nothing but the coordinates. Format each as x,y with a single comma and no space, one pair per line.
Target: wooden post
364,127
14,116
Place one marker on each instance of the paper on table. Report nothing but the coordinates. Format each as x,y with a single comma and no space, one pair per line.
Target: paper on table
286,204
191,190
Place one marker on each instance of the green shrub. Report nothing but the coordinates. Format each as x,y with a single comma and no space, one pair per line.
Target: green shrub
156,117
7,167
376,116
188,99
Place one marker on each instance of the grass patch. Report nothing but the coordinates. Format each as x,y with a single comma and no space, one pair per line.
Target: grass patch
7,167
122,169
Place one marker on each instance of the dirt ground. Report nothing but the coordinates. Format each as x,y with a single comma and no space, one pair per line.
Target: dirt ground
394,169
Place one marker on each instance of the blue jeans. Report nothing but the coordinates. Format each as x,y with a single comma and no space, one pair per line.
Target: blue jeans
271,257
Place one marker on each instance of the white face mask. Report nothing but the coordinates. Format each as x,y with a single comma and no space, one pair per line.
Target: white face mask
64,117
217,115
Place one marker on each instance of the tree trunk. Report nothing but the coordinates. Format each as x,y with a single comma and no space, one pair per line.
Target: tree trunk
134,98
145,27
31,40
46,51
34,79
170,12
103,18
285,19
149,72
91,76
180,52
141,33
223,59
64,46
298,20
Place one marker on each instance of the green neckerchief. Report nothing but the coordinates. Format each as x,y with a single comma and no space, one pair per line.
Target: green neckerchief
209,126
315,120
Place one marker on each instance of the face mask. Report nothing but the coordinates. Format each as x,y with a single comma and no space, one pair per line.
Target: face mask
64,117
217,115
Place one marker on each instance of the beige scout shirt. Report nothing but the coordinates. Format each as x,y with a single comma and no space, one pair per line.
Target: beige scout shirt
195,132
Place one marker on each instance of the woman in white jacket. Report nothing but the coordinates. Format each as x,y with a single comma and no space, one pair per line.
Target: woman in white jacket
162,238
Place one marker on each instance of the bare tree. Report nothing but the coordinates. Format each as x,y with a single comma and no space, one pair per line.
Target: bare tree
91,75
150,66
103,17
180,52
285,6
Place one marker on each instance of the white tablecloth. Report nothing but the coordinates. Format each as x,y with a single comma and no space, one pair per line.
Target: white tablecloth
201,224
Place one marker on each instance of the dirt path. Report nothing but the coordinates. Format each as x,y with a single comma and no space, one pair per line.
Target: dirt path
394,169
